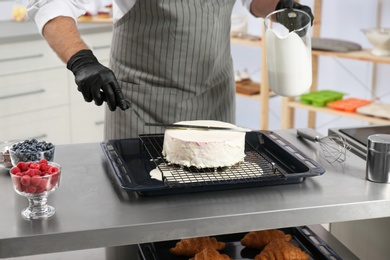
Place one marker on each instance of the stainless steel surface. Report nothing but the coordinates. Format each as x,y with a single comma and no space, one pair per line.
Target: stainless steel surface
92,212
378,158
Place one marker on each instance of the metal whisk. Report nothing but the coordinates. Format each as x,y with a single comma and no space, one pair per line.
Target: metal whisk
334,147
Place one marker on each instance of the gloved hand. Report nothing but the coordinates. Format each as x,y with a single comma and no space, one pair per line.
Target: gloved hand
95,81
291,4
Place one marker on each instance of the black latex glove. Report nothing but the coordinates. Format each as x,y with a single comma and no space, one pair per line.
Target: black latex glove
291,4
95,81
288,19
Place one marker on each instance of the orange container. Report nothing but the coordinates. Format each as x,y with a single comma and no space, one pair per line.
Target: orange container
348,104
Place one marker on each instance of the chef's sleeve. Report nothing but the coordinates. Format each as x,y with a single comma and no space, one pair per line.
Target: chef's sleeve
42,11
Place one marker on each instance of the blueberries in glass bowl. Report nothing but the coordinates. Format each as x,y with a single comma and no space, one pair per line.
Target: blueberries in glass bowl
31,150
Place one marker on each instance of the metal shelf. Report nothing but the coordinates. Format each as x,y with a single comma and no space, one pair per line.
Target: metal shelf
363,55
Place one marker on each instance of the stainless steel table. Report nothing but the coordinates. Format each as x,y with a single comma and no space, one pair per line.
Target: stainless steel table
93,212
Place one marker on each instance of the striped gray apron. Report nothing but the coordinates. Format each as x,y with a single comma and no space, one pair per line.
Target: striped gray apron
172,60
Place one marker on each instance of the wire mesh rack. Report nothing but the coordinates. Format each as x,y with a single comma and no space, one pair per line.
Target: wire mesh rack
255,167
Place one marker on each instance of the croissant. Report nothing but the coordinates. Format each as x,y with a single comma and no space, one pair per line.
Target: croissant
210,254
279,249
259,239
192,246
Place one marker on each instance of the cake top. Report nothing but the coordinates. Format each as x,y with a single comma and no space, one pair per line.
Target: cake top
199,135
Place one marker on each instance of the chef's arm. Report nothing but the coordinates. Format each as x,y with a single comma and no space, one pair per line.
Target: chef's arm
96,82
62,35
261,8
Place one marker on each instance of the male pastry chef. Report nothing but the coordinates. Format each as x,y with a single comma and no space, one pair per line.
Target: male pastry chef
170,60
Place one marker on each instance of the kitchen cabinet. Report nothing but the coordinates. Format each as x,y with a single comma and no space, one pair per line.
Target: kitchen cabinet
52,124
289,105
87,122
39,98
27,56
33,90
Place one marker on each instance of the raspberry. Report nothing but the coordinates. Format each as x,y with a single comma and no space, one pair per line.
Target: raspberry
15,170
35,166
43,166
52,170
25,180
43,183
19,187
43,161
36,180
22,166
33,172
30,189
16,180
17,184
39,190
19,174
54,178
30,172
37,172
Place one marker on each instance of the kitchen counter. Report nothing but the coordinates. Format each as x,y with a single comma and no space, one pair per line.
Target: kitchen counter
92,211
13,32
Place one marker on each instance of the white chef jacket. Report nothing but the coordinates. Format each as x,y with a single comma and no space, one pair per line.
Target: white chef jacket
42,11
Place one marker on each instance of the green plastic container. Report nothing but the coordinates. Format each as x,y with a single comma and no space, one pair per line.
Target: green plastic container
321,98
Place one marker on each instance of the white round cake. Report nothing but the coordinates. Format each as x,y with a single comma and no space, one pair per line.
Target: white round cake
204,148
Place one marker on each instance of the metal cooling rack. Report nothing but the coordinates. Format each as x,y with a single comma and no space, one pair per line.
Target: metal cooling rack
255,168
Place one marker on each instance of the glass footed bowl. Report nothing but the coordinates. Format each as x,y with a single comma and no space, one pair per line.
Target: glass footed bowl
380,39
35,181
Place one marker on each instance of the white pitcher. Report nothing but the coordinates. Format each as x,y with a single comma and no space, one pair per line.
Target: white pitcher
288,51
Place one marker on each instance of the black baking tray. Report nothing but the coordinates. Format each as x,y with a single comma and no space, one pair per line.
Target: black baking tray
270,160
361,134
303,237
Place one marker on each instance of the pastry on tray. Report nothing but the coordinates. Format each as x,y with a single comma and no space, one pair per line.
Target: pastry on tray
259,239
103,13
210,254
279,249
87,16
192,246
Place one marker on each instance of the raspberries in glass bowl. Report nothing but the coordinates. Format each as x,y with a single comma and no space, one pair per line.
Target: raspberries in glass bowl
35,177
35,181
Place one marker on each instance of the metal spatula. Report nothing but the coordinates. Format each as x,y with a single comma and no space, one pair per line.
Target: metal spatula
193,127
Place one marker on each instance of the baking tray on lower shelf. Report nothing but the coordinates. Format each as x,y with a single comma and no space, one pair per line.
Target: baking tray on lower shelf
303,237
138,166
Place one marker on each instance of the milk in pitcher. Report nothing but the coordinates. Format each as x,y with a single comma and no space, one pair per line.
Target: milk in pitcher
288,51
